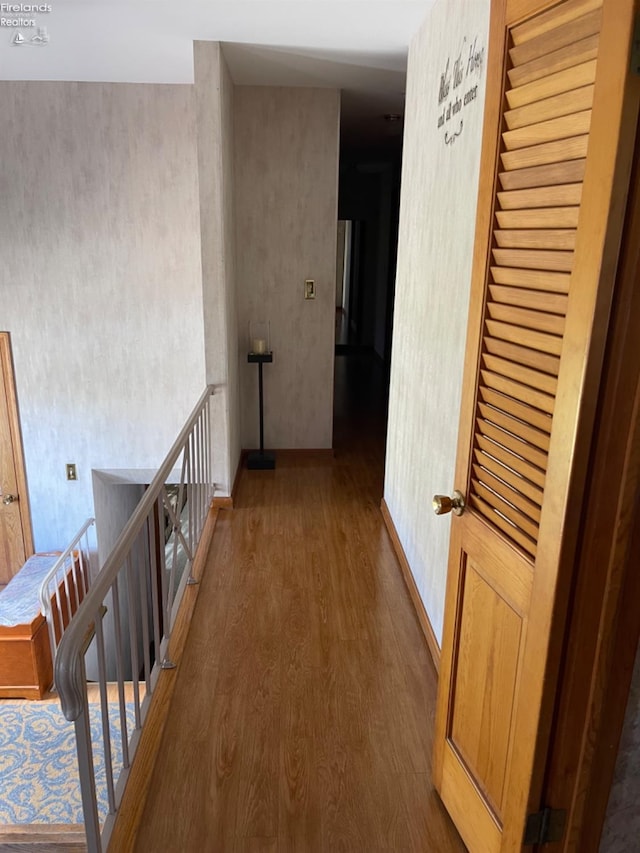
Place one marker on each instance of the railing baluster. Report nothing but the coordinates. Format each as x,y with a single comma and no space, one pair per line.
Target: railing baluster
140,550
198,477
73,571
86,773
210,489
167,663
145,566
190,467
104,707
133,640
115,598
51,585
67,598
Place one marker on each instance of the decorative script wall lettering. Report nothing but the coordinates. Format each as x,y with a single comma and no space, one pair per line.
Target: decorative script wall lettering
459,87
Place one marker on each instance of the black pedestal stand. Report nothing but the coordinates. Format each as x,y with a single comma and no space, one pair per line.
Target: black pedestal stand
259,459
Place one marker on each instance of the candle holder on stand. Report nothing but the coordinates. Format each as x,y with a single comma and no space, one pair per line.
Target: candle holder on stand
260,353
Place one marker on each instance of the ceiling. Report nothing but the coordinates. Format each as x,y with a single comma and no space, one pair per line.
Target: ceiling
358,46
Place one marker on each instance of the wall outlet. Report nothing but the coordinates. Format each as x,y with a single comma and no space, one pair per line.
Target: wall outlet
309,289
71,471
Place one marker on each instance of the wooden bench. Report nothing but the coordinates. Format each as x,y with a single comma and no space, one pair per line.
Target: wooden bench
26,667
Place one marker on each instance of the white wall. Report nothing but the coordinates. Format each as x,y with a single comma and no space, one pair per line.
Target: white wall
286,176
100,281
437,220
214,97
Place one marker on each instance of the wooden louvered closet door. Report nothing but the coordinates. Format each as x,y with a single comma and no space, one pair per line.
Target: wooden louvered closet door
555,168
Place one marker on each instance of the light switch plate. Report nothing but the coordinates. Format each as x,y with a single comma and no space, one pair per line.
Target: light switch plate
309,289
71,471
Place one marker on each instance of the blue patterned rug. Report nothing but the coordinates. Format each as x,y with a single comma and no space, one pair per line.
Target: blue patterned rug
38,765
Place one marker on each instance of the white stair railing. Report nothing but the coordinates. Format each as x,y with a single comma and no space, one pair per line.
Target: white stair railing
65,585
124,624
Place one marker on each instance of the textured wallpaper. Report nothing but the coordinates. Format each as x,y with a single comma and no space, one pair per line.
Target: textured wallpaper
286,174
437,219
100,281
214,98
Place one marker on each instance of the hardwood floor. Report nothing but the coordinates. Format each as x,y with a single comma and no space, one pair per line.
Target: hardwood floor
303,711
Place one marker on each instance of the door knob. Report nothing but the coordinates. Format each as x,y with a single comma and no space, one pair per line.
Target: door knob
442,504
9,499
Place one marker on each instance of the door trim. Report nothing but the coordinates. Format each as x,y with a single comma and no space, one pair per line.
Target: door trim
604,625
6,364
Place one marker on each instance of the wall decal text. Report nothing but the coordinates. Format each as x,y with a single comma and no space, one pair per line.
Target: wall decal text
458,86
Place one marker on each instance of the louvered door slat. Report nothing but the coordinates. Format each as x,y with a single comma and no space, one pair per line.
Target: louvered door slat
517,427
530,239
543,176
547,131
511,460
542,155
495,499
560,105
563,81
510,529
555,196
521,355
540,420
549,98
550,344
517,391
529,319
550,217
567,34
534,299
554,282
513,496
525,375
534,259
548,22
519,483
580,50
521,448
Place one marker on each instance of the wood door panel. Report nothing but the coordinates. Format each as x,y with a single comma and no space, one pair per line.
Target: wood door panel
555,165
502,566
465,805
485,673
13,548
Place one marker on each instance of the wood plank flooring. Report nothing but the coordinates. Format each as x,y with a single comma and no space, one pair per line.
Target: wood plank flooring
303,711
